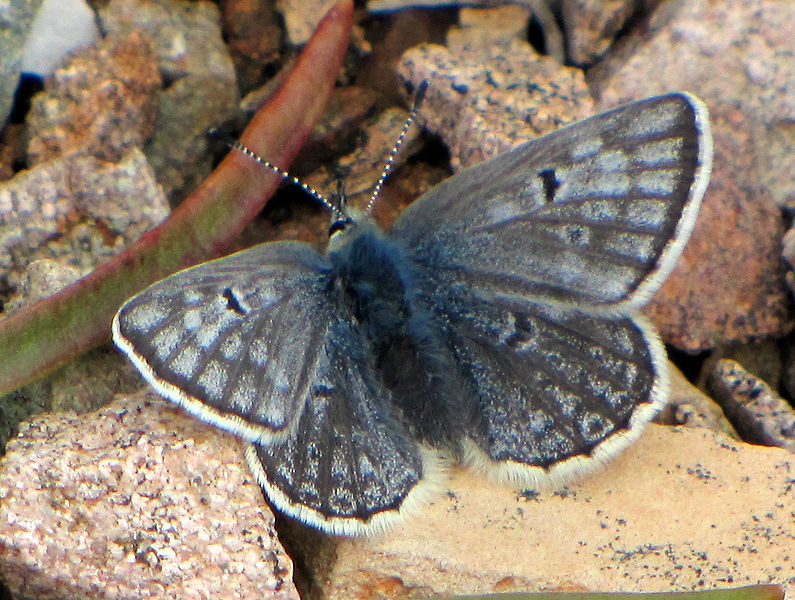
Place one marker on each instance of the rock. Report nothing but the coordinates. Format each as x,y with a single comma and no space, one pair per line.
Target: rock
479,28
691,407
364,166
254,35
763,357
543,18
681,509
201,85
301,17
339,128
738,58
79,209
60,27
758,413
42,278
591,26
485,101
17,18
102,103
135,500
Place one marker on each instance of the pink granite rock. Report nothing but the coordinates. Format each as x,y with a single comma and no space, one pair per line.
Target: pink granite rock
737,56
102,103
486,97
78,209
758,412
136,500
682,509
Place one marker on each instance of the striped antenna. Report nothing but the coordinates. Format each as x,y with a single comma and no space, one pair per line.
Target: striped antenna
235,144
418,97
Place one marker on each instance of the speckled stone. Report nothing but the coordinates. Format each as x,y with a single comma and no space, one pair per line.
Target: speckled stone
81,210
485,101
136,500
101,103
736,56
201,90
42,278
758,412
682,509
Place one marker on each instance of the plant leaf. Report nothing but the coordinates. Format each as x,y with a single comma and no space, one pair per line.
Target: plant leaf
39,338
752,592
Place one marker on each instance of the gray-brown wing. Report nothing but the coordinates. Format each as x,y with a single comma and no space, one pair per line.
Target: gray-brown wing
349,466
558,391
594,214
235,341
534,264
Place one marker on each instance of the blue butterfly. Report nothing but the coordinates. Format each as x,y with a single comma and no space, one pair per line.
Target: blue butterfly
497,323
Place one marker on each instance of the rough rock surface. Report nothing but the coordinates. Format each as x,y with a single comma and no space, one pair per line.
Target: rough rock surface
101,103
737,57
78,209
201,85
485,101
758,412
137,500
682,509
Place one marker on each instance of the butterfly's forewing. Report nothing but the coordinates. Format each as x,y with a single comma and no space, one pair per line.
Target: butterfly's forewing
535,263
235,341
593,214
349,466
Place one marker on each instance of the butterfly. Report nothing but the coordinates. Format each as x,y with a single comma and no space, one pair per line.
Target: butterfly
496,323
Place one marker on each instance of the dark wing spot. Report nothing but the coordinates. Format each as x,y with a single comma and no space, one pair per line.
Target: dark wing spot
551,183
232,302
461,88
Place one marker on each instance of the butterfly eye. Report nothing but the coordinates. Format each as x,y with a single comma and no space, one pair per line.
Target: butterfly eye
338,226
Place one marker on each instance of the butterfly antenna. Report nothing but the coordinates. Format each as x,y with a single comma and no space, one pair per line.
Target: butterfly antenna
418,97
236,145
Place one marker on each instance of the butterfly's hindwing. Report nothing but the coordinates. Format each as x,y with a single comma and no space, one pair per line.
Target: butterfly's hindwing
349,465
222,338
556,388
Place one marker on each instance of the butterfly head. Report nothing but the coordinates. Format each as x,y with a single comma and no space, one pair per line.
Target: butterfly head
346,225
343,221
